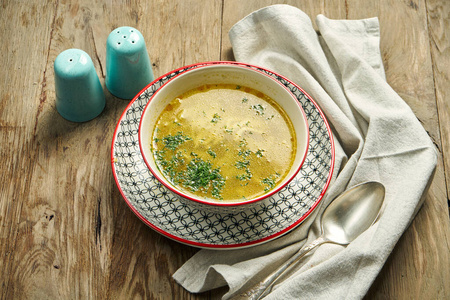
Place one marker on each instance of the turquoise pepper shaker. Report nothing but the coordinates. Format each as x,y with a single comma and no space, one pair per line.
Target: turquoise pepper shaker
79,93
128,67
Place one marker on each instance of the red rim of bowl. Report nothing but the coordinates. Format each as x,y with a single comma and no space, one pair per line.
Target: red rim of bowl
231,203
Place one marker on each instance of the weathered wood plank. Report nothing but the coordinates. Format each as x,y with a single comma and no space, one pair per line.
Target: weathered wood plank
24,57
438,13
58,249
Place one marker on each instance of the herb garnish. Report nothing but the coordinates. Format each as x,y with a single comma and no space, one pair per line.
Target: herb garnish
270,182
246,176
259,153
244,163
200,176
245,153
259,109
212,153
228,130
216,118
172,142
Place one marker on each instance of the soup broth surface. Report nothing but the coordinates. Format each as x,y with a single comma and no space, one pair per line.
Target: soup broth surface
224,142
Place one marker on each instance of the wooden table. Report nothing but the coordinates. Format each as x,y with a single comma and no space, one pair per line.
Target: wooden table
65,231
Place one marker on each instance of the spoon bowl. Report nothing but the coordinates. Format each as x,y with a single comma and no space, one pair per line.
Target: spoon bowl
347,217
352,213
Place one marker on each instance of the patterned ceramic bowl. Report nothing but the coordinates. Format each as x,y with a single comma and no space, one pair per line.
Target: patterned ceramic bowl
231,74
271,218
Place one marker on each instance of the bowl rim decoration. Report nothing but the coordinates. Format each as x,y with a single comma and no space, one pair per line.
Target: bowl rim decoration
213,203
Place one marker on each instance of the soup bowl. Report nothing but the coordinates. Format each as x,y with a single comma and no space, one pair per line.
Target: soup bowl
223,73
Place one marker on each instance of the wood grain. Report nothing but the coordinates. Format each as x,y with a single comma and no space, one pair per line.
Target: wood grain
438,16
65,231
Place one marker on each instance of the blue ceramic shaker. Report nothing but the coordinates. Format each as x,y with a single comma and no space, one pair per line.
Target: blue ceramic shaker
79,93
128,67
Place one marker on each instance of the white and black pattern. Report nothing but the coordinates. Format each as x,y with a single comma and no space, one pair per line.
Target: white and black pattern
159,208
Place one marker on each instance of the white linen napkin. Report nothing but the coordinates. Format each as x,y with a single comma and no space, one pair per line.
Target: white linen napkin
377,137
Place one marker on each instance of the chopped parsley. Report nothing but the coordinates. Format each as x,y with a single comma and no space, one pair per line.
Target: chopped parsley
172,142
245,153
200,176
270,182
258,108
243,143
259,153
242,164
246,176
197,175
216,118
212,153
228,130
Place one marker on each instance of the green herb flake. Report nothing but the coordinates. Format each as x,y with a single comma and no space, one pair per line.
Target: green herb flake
244,100
211,152
270,182
228,130
216,118
170,166
245,153
200,176
172,142
242,164
242,143
258,108
259,153
246,176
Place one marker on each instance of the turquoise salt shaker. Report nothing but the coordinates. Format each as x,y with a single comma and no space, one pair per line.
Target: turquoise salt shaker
79,93
128,67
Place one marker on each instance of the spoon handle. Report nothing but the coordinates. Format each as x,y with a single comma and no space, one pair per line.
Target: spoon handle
265,286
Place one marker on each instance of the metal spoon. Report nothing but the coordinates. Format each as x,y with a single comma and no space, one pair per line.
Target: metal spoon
345,218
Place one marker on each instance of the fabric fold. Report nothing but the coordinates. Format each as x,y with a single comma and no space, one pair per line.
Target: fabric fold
377,137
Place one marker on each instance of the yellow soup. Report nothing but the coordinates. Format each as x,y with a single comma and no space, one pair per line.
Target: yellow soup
224,142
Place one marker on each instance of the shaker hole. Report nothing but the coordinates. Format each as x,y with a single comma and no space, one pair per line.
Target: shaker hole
132,42
131,30
118,43
124,36
70,59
